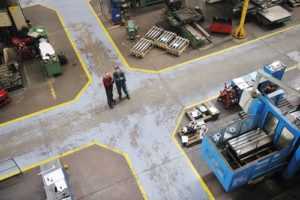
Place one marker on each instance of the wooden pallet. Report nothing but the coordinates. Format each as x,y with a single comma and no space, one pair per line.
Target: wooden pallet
141,48
164,39
175,49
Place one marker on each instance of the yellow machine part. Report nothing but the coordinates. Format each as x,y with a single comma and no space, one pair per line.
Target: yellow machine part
18,17
240,32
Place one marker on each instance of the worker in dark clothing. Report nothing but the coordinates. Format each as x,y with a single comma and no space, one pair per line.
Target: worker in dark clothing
120,80
108,83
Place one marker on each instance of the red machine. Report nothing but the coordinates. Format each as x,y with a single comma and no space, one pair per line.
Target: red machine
221,25
228,97
24,46
4,98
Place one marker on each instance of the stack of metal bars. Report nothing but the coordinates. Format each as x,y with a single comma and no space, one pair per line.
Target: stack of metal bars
141,48
164,39
177,46
154,33
248,143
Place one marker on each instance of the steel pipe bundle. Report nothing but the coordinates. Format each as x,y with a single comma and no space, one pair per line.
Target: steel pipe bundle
177,46
164,39
154,33
141,48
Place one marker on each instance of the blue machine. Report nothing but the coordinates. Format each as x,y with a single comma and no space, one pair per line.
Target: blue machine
116,16
265,142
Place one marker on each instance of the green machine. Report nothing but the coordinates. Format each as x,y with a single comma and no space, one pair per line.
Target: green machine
49,59
186,21
132,29
144,3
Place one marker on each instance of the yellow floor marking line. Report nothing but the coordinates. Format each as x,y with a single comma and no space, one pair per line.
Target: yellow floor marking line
52,90
179,119
78,95
93,143
120,55
170,68
130,165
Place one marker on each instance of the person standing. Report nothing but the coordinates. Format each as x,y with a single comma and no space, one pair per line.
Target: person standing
120,80
108,83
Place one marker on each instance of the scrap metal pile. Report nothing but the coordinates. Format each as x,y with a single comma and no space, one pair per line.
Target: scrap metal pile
160,38
10,71
196,128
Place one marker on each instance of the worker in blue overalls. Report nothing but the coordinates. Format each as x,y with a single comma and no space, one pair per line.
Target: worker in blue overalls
120,80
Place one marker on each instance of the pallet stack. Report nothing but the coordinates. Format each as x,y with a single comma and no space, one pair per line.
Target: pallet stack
158,37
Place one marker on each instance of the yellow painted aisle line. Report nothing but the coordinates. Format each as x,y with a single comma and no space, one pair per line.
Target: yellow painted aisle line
170,68
189,162
130,165
120,55
123,154
52,90
78,95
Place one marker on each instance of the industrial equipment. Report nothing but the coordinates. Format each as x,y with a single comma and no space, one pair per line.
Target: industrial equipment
196,129
18,17
265,142
144,3
230,95
55,181
267,13
24,46
4,98
132,29
49,59
273,15
192,133
221,25
186,22
119,11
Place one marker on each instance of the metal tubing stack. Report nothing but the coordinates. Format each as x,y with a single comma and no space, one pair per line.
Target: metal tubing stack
178,45
164,39
154,33
161,38
141,48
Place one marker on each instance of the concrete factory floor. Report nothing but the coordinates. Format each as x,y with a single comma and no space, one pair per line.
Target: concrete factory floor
143,126
41,92
158,59
270,188
94,173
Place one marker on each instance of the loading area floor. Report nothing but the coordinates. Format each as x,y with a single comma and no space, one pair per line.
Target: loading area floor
273,187
158,59
94,172
41,92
